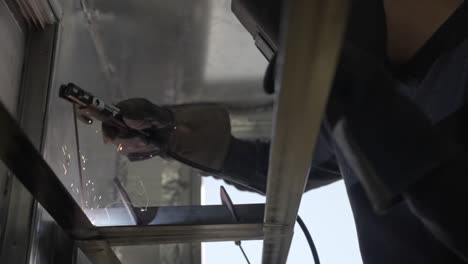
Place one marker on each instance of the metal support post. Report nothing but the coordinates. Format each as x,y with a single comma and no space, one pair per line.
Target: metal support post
312,36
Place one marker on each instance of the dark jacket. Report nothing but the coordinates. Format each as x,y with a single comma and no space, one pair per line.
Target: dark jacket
412,133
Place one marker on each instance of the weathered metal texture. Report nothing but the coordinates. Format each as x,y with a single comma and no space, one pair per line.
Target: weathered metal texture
37,13
23,217
312,37
12,49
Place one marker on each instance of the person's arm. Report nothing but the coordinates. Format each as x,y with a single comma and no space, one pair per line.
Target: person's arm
246,165
199,136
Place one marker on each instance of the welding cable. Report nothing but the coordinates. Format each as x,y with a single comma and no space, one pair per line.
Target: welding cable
304,229
313,249
238,243
310,241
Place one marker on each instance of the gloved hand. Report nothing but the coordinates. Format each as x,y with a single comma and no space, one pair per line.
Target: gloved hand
195,134
140,114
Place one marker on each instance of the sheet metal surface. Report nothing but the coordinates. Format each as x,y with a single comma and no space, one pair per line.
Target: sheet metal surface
166,51
11,62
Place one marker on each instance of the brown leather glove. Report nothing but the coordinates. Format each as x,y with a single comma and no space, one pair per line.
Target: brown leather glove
195,134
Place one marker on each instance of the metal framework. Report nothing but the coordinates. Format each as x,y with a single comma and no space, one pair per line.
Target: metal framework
312,34
312,39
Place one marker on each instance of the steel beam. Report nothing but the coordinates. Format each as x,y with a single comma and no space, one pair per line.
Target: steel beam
312,36
182,224
170,234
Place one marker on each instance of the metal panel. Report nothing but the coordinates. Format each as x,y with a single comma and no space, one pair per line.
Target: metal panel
12,47
181,51
36,13
44,235
312,35
166,51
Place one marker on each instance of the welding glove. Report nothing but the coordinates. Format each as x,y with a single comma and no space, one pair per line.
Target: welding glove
195,134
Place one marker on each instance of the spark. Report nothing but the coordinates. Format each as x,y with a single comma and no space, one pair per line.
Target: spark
77,191
84,168
86,184
119,148
69,156
145,194
92,189
142,188
100,197
89,181
71,185
65,169
108,216
63,149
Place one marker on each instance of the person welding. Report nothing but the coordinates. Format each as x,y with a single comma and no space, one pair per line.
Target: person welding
394,130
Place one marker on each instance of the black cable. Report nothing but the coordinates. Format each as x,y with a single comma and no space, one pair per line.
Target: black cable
306,232
309,240
243,252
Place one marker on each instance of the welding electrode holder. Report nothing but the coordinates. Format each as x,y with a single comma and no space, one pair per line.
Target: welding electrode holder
198,135
88,107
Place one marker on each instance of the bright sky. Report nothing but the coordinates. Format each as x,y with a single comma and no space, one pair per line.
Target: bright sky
325,211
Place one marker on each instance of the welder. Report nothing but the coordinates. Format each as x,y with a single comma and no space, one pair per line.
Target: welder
394,130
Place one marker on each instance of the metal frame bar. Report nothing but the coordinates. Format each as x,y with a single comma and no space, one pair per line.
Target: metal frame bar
312,37
189,224
21,238
171,234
